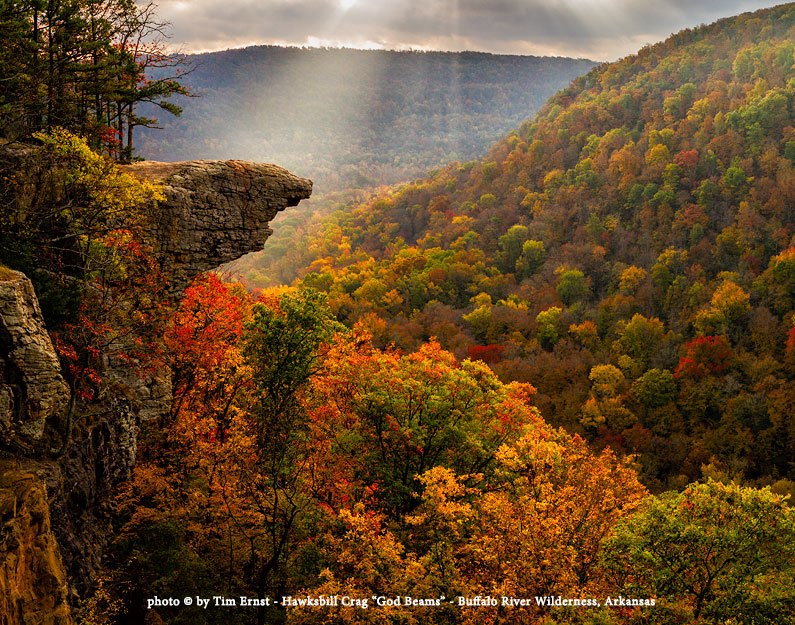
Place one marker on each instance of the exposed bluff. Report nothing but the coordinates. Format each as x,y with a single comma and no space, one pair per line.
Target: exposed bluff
34,553
215,211
33,587
32,389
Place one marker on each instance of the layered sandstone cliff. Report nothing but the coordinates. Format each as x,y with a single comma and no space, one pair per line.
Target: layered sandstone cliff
32,389
33,586
54,523
52,517
215,211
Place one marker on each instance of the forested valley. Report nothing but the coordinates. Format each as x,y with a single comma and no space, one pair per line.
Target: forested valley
564,369
627,252
351,120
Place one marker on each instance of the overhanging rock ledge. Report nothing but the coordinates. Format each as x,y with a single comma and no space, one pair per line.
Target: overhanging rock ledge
215,211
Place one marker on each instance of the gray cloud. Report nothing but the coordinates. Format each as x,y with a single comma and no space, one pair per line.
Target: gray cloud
598,29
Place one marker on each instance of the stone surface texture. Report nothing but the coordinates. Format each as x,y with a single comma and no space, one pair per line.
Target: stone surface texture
215,211
33,587
73,489
32,389
81,486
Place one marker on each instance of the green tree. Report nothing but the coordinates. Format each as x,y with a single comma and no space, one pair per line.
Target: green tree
511,245
532,257
642,339
84,65
572,286
654,388
283,346
548,331
715,553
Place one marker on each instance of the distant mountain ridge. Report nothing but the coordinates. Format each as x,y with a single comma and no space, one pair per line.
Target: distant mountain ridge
354,118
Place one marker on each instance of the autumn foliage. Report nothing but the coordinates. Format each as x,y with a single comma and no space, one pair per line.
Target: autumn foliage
641,221
373,431
370,472
705,355
277,480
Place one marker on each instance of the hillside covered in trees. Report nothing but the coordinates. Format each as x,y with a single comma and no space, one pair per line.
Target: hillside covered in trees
351,120
554,385
354,118
617,271
629,252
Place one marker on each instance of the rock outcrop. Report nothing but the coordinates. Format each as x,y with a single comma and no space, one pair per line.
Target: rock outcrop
82,485
32,389
33,398
215,211
33,586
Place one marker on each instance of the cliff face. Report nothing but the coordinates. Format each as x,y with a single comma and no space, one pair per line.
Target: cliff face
33,587
35,553
215,211
32,388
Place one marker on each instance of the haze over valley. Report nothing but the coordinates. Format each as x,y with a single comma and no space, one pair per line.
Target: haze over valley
354,118
350,120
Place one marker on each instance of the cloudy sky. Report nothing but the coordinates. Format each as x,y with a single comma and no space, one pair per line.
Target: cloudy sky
602,30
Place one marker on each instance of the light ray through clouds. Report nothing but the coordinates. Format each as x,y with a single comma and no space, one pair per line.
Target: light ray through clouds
598,29
454,31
